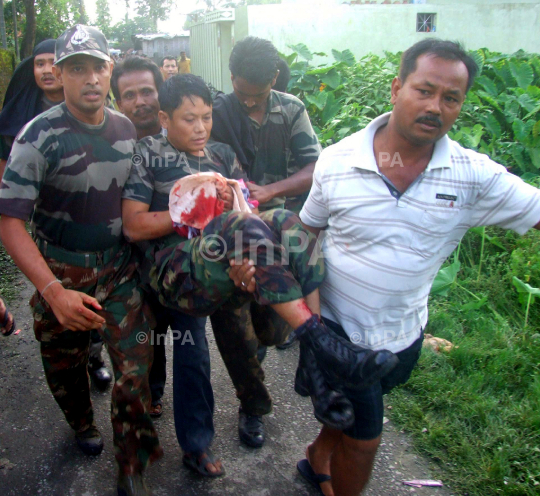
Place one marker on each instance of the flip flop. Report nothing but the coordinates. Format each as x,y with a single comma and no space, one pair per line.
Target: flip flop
198,461
5,321
307,472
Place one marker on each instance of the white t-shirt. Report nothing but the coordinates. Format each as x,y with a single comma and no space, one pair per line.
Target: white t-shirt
383,252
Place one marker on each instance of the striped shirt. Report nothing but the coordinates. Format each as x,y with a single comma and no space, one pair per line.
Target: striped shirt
382,250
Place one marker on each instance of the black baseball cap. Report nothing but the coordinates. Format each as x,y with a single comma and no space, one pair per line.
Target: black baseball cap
81,39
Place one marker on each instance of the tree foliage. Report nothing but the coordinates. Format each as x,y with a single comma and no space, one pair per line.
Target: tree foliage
103,20
52,18
154,10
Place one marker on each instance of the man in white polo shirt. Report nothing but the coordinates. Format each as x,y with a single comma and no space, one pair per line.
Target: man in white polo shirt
395,199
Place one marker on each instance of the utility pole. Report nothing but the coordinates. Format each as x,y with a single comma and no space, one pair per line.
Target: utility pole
14,8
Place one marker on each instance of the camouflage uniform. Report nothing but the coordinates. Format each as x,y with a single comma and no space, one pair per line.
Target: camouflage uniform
191,275
284,143
69,176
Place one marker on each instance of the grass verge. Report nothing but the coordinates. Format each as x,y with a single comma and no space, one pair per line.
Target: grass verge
476,409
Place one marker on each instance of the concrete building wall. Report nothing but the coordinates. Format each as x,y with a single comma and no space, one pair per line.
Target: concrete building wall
392,27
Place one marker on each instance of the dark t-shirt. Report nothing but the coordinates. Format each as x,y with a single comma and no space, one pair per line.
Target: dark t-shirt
70,176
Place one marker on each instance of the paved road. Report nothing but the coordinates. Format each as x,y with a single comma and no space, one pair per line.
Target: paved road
38,455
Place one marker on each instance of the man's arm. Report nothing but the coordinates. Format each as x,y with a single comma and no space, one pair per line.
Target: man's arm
314,230
139,224
68,306
298,183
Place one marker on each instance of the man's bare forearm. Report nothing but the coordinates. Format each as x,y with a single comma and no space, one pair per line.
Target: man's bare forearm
298,183
70,307
2,168
24,252
139,224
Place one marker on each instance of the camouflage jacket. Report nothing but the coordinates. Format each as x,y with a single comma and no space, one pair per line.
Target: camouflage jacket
70,176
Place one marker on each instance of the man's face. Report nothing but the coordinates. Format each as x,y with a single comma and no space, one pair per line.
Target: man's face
252,97
189,128
86,81
139,99
183,55
169,68
428,103
45,79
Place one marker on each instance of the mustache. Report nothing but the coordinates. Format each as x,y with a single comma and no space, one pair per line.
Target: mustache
430,120
142,111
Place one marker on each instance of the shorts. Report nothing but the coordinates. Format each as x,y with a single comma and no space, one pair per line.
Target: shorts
368,403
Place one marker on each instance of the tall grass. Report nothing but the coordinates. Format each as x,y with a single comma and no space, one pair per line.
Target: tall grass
476,409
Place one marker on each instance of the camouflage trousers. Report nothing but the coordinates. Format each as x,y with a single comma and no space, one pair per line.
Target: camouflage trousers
193,275
238,332
125,334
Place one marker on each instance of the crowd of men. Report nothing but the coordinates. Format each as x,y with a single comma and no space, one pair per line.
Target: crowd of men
106,256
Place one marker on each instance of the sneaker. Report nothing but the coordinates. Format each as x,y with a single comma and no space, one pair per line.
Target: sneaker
250,429
90,441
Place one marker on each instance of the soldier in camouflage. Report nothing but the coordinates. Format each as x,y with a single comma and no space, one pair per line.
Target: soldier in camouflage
67,170
273,138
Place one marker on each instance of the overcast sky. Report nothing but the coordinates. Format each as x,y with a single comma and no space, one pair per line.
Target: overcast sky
172,26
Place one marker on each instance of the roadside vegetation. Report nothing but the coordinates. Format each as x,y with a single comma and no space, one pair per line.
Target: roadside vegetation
9,275
476,409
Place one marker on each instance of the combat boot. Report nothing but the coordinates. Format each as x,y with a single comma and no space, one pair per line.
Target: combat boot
342,362
90,441
330,407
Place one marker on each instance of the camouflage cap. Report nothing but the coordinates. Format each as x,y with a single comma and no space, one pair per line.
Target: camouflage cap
81,40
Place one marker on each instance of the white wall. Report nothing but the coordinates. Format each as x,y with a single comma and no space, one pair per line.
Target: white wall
378,28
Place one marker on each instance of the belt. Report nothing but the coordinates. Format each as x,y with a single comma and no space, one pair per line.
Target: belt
86,260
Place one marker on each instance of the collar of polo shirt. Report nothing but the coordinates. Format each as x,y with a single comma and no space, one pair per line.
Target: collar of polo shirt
440,159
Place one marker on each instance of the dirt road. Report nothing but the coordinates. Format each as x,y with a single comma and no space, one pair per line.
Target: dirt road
38,455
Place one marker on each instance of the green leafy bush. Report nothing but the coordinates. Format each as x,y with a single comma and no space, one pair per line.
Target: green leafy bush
500,117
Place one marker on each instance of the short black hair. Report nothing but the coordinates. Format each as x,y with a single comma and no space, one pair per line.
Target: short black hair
255,60
448,50
134,63
167,57
282,80
173,91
